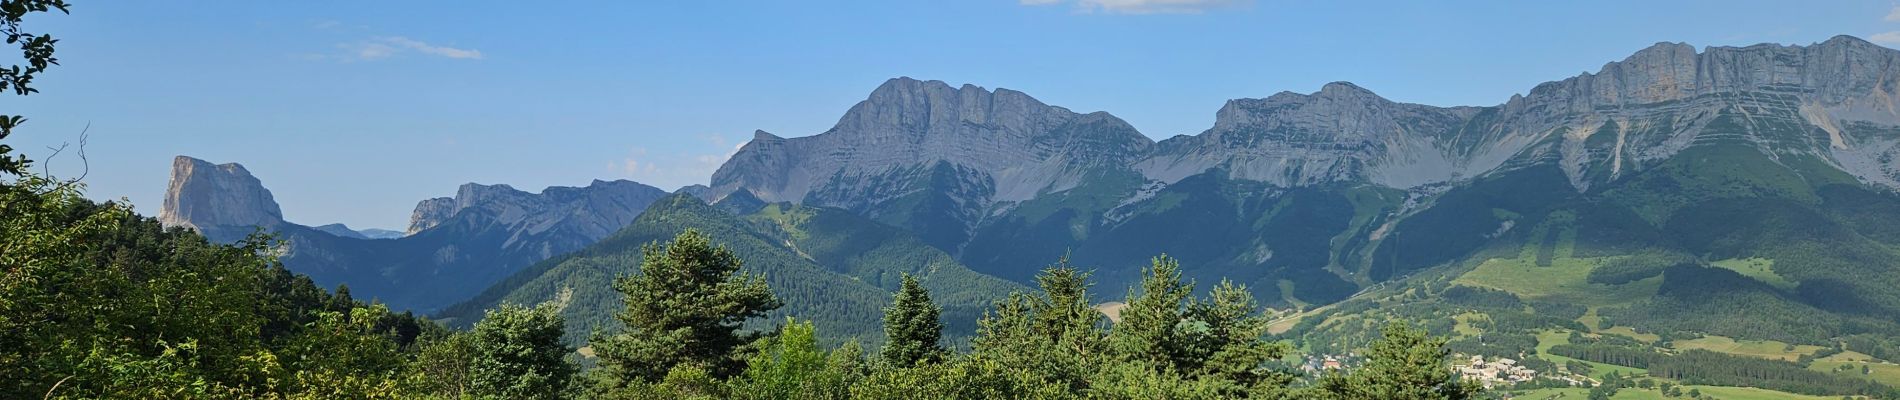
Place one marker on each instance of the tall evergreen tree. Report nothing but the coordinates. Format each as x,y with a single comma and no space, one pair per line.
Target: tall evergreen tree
1148,328
518,354
1226,338
1065,313
684,307
913,328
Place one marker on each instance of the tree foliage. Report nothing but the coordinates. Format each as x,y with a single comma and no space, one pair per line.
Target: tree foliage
685,306
518,354
1404,364
913,330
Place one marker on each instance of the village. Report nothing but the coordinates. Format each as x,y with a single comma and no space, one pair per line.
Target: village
1503,371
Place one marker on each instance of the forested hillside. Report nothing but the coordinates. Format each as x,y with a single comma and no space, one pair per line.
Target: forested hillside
834,268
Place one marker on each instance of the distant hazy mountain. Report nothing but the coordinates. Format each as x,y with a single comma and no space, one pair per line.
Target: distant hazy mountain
375,233
456,246
371,233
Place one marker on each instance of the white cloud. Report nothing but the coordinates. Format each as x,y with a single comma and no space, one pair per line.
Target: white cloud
433,50
389,46
672,170
1145,6
1893,15
1886,38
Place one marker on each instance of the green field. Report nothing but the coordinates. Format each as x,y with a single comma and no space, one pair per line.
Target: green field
1719,392
1631,333
1563,281
1761,269
1753,348
1885,373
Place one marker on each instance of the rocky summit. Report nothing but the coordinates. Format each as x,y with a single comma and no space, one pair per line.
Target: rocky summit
572,216
219,200
454,247
984,173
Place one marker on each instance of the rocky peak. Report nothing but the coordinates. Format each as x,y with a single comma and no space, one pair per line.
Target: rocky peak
1338,107
204,196
1012,142
429,213
1840,69
591,212
1342,132
909,107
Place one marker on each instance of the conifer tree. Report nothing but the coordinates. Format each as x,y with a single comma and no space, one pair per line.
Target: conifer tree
1147,331
1065,313
1226,338
913,329
684,307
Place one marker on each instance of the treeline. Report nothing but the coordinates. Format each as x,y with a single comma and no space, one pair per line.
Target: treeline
1617,355
1641,265
1702,367
1049,344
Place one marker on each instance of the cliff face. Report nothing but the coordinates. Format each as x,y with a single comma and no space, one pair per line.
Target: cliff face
573,216
455,247
1011,144
212,198
1341,133
1650,105
944,161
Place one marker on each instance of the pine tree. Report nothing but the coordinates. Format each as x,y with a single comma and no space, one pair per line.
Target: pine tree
684,307
1147,331
1065,314
1226,334
913,329
518,354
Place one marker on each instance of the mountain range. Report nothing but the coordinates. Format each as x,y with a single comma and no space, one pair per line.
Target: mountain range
1738,191
454,247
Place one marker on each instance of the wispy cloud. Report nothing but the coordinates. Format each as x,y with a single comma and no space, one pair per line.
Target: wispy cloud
1145,6
382,47
671,170
1886,38
1893,15
430,49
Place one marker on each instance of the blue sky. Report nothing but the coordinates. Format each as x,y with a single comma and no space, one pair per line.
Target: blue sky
354,111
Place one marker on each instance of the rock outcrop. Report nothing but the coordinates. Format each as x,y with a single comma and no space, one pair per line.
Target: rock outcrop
1013,145
972,154
216,199
584,213
455,247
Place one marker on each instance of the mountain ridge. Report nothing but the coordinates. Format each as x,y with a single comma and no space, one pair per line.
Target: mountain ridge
1807,109
456,247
